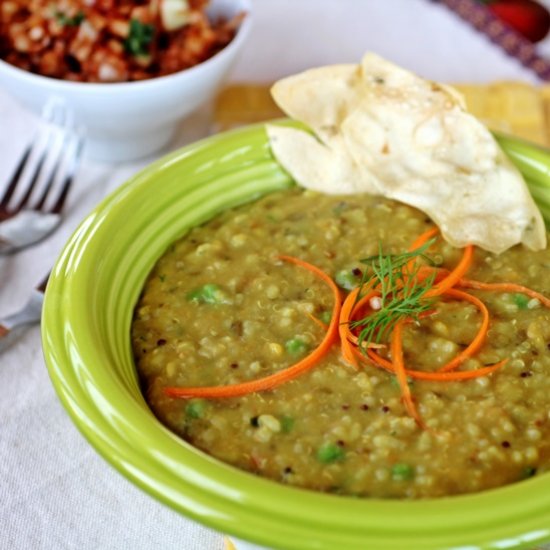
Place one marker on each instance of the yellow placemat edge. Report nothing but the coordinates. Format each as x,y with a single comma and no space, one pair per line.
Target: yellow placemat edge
514,107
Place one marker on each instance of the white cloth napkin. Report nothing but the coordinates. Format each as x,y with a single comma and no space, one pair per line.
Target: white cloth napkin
55,491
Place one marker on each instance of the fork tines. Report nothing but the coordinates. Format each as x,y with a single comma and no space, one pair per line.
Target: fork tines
45,172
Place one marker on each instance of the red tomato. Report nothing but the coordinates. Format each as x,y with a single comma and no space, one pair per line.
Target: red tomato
528,17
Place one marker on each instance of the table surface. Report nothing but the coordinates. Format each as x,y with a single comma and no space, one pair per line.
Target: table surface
55,491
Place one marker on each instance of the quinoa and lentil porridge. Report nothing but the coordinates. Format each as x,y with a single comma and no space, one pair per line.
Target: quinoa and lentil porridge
221,308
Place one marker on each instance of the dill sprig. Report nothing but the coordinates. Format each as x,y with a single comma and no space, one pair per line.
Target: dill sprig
401,291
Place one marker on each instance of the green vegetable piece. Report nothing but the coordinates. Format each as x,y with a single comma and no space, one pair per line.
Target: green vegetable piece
521,300
402,472
330,452
528,471
195,408
287,423
347,280
208,294
66,21
296,346
139,38
326,317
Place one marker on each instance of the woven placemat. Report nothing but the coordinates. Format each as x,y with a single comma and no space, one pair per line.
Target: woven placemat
512,107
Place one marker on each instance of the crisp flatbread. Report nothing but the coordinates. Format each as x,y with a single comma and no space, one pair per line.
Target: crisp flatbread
380,129
317,162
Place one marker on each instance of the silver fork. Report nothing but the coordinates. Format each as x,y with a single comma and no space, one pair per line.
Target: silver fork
31,206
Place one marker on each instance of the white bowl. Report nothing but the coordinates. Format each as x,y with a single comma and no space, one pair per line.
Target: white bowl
129,120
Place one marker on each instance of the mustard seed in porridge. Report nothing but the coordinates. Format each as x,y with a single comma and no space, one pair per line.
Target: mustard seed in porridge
223,307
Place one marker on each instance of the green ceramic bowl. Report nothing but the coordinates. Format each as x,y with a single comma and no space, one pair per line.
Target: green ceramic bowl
86,337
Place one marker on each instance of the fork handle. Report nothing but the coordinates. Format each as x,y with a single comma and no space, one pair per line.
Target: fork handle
29,314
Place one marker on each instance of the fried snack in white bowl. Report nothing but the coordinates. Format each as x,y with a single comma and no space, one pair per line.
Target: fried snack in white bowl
129,81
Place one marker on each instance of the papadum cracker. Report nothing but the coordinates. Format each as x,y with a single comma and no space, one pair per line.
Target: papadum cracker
327,169
321,164
380,129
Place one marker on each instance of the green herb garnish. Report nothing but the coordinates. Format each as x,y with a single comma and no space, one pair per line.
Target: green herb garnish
394,276
139,38
67,21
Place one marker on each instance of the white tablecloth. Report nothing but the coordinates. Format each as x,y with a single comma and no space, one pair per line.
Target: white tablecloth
55,491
